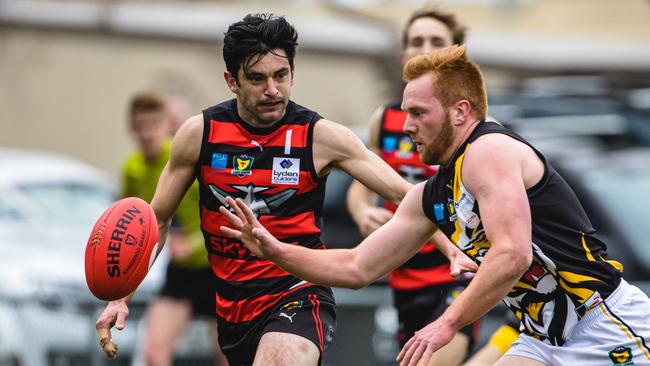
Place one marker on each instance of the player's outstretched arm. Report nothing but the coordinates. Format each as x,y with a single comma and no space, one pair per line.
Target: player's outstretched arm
378,254
174,181
335,146
178,174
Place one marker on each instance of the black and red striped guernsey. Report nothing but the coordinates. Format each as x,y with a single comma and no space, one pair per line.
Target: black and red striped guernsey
429,266
272,170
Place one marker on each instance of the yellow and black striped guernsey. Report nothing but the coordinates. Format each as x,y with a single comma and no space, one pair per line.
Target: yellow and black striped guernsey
570,273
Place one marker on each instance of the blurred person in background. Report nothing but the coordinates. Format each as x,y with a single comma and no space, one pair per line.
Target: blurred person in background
189,283
422,287
276,155
514,215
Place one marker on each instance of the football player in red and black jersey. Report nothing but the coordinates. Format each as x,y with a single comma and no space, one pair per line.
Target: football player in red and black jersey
274,155
422,287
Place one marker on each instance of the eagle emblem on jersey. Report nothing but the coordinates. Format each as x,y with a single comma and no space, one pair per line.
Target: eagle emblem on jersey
259,206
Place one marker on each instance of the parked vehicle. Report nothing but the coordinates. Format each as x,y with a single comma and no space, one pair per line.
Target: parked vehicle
48,205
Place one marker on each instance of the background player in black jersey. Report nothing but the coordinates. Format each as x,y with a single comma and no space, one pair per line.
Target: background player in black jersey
230,150
422,287
536,248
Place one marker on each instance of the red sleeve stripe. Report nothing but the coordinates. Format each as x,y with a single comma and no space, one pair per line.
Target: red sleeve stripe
279,226
413,279
246,310
262,177
394,120
230,133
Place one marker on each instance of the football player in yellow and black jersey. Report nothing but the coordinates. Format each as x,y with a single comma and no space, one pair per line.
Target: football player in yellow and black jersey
275,155
423,286
513,214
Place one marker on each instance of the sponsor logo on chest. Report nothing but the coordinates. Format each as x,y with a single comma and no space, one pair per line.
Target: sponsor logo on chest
286,171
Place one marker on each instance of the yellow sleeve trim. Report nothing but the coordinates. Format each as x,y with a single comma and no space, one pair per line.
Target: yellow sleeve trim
503,338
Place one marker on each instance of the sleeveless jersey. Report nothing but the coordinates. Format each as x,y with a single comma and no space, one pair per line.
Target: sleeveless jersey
429,266
570,273
272,170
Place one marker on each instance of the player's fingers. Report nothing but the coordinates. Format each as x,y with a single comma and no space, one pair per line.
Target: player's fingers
231,217
454,271
231,233
262,235
426,356
416,355
405,350
106,342
248,213
383,216
235,207
121,319
375,223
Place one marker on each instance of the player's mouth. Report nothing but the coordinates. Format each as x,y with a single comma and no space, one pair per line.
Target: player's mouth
271,105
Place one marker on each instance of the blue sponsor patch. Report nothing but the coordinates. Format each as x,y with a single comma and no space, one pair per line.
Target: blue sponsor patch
389,144
439,211
286,163
219,161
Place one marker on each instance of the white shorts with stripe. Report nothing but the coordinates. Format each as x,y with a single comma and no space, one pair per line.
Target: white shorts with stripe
615,332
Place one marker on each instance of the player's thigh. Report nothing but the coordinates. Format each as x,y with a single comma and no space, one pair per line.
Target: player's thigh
510,360
167,319
486,356
280,349
451,354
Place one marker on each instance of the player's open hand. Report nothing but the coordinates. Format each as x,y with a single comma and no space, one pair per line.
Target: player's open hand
114,314
247,229
419,349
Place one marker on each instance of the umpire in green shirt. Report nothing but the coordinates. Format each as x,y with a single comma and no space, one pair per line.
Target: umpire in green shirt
189,289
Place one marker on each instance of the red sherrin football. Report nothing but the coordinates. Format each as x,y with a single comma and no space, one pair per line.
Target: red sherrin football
119,249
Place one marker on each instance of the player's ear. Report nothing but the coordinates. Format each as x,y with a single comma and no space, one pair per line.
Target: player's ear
231,81
460,112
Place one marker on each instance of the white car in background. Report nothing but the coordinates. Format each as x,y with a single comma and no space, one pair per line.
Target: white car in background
48,205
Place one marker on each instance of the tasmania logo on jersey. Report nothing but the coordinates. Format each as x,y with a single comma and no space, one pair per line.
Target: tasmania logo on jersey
621,356
242,165
286,171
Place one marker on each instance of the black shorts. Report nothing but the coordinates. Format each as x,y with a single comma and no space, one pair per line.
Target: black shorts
308,312
417,308
196,285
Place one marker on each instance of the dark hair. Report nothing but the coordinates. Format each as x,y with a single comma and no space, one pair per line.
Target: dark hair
432,11
257,35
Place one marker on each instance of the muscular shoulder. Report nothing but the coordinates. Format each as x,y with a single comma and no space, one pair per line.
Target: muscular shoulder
498,147
333,145
335,137
496,156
